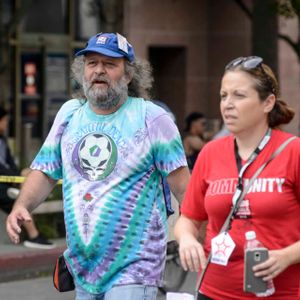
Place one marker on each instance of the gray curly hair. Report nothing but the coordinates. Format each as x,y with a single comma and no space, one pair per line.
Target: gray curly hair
139,70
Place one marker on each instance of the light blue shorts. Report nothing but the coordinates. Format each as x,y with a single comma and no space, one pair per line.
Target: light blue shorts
124,292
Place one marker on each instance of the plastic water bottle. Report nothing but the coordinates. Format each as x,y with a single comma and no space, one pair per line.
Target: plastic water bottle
253,243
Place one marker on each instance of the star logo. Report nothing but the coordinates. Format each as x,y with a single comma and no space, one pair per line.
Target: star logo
222,247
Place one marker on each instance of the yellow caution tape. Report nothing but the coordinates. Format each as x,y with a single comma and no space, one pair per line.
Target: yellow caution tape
17,179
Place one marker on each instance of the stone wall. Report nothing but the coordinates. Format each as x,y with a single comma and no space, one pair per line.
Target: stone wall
289,72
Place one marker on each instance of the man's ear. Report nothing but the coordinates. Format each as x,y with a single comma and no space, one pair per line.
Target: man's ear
128,73
269,103
128,77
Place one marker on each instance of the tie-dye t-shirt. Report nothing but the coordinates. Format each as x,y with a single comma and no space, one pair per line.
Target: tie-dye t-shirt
111,166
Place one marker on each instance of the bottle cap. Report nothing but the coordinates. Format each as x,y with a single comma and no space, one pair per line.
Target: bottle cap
250,235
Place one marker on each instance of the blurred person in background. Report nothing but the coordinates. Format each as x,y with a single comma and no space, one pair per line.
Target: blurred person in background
221,133
8,192
194,138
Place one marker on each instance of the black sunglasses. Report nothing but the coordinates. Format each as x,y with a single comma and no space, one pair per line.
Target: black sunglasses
250,63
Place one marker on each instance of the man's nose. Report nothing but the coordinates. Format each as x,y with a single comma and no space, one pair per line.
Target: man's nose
99,69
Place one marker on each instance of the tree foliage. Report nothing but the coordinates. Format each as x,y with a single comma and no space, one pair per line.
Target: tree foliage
287,9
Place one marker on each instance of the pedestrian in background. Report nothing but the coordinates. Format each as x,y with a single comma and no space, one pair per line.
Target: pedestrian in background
8,192
194,138
111,147
221,133
253,112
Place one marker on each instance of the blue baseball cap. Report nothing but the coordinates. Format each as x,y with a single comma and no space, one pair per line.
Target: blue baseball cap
109,44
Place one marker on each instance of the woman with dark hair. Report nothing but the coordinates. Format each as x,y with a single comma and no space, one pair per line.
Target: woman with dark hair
253,112
194,139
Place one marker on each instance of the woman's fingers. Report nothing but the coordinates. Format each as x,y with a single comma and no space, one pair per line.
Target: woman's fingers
192,257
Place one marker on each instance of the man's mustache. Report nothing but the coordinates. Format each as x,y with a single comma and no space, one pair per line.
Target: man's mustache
100,79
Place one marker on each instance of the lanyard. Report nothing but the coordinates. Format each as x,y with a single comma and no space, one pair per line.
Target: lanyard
242,169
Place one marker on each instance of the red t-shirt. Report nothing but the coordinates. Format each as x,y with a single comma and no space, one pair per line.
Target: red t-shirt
271,208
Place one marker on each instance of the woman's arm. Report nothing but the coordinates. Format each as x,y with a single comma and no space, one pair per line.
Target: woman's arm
187,233
278,261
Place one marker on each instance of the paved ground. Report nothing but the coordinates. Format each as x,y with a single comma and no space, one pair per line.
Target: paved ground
19,262
42,289
33,289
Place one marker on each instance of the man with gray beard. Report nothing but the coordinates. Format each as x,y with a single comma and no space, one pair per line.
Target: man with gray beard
112,148
105,98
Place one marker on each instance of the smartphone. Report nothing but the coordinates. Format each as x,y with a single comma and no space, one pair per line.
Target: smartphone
253,284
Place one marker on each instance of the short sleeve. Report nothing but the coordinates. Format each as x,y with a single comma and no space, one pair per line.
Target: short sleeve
48,160
166,143
193,203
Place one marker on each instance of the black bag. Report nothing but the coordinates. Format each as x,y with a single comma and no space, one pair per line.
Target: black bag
62,278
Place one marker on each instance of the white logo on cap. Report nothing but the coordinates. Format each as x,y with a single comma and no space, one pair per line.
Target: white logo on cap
122,43
101,40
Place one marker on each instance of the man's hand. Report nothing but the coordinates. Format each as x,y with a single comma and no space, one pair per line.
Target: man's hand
14,221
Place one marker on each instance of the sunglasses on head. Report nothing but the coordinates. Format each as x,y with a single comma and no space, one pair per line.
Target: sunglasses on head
250,63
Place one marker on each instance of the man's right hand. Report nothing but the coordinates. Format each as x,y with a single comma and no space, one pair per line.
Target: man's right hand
15,220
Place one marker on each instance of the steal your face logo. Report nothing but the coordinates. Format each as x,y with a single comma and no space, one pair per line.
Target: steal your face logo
95,156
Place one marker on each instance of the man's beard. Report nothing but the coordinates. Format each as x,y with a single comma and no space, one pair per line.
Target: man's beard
105,98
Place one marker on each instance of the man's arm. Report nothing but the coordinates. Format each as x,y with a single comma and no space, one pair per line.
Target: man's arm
178,180
35,190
